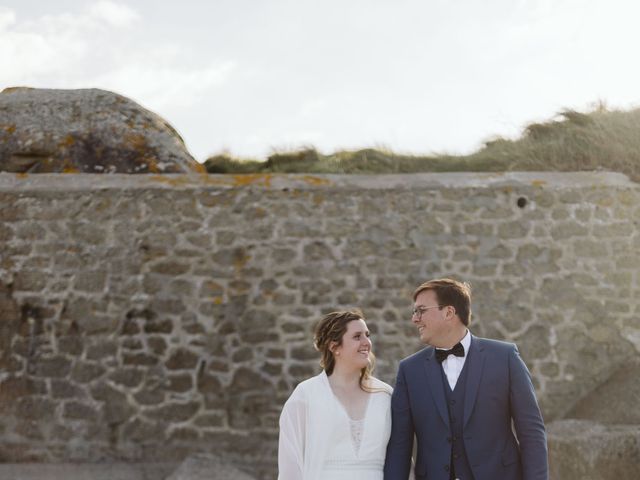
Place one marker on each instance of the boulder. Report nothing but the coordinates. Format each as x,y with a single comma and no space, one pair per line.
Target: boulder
88,131
207,467
616,400
586,450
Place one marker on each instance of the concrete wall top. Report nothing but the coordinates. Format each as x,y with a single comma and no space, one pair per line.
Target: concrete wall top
10,182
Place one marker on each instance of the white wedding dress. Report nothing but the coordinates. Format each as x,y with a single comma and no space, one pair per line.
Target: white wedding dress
318,440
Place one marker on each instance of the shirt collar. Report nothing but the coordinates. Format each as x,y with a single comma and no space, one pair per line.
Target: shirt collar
466,342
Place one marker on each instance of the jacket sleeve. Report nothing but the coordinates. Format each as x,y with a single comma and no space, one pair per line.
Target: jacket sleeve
291,440
398,459
527,420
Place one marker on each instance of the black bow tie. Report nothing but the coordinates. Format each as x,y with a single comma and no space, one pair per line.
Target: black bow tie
457,350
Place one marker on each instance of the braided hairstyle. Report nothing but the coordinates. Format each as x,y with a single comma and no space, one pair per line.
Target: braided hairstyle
329,332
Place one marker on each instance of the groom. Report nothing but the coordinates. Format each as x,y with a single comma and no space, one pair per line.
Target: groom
463,397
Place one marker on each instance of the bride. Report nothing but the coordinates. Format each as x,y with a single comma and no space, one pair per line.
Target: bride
335,426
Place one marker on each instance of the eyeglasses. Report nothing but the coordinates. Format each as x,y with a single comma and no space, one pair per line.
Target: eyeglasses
420,310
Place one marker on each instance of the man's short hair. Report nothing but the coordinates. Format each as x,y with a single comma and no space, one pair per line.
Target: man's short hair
450,292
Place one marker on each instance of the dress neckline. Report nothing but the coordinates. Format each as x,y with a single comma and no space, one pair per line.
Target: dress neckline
352,424
344,409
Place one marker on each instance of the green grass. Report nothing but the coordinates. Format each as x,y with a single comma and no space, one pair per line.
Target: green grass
601,139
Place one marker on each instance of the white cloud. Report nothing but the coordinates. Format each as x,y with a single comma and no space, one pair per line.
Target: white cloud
313,107
7,18
92,48
115,14
166,84
29,53
44,50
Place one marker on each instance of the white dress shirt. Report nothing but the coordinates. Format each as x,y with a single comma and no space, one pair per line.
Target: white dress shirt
453,365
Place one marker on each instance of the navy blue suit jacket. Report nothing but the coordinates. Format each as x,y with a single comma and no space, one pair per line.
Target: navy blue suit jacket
499,394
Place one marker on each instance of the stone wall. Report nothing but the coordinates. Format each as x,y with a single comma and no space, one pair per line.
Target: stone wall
148,317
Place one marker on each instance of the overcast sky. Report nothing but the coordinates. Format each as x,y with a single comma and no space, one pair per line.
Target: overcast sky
253,76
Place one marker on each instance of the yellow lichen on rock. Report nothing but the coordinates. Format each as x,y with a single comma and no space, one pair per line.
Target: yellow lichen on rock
252,179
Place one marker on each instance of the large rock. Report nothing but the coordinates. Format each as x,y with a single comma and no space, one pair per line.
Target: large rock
585,450
89,131
617,400
207,467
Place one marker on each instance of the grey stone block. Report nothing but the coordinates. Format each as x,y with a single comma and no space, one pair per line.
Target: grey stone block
586,450
615,401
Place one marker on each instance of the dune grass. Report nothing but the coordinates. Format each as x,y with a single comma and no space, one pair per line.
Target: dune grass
601,139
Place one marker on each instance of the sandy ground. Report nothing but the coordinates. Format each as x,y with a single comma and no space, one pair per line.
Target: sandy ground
86,471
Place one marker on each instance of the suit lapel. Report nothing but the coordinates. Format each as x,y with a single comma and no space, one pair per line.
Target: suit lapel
474,364
434,380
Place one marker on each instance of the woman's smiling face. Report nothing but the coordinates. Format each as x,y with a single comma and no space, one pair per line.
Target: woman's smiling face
355,346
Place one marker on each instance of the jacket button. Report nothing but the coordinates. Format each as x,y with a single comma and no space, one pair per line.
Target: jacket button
452,402
446,468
